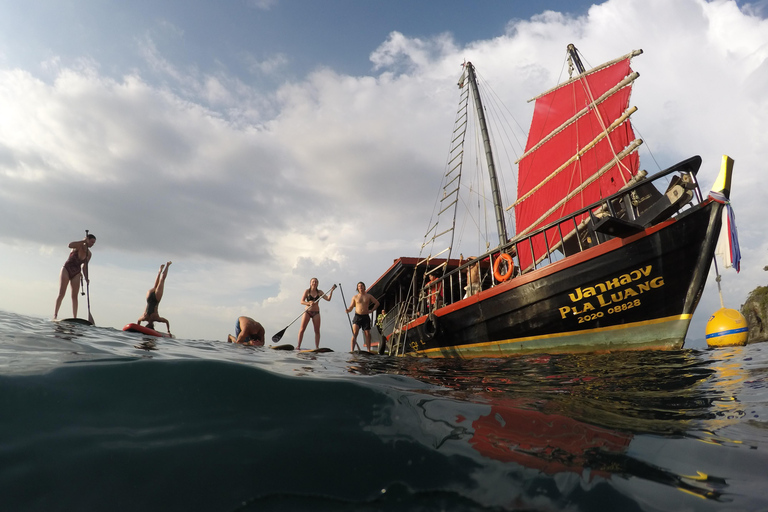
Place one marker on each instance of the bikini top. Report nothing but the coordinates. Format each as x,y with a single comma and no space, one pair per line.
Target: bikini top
311,298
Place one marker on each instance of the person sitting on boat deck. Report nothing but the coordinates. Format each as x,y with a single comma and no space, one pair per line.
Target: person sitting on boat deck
361,303
473,286
154,296
435,292
79,256
247,332
311,299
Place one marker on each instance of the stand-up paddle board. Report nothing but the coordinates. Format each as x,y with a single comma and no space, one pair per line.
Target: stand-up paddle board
320,350
286,346
81,321
146,330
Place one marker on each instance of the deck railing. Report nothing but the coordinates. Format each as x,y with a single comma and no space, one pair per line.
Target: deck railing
617,214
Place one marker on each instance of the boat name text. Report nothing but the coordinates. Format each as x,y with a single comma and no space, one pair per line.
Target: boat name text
627,287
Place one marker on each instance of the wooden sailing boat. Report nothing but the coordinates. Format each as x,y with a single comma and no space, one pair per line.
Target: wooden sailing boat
604,257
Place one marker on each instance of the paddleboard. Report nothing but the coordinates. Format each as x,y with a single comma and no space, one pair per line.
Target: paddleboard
316,350
146,330
286,346
81,321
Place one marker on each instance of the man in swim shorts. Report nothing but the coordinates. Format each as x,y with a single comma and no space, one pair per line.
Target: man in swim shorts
247,332
362,303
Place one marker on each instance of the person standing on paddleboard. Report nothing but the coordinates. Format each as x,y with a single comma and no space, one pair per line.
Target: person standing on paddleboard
362,303
78,260
154,296
311,299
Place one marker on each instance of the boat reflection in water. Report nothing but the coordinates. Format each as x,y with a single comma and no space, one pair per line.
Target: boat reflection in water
566,423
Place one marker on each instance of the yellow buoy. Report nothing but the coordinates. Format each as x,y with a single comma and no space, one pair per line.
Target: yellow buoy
727,327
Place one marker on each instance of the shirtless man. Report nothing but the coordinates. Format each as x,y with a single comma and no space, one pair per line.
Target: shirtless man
247,332
361,303
79,257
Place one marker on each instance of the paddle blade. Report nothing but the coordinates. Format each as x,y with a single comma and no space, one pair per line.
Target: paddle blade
278,336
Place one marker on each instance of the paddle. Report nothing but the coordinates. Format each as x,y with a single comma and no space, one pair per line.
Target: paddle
279,335
350,321
87,288
90,317
82,286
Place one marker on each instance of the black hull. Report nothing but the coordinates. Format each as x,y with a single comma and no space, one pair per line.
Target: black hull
639,292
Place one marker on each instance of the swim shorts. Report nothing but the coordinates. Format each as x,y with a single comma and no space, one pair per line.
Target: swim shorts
364,321
237,332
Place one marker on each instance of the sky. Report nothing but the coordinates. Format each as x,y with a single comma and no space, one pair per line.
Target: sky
260,143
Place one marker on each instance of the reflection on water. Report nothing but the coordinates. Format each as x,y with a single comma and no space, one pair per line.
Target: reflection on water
579,414
638,391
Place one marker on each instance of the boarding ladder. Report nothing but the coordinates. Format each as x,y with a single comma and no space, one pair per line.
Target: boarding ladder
439,238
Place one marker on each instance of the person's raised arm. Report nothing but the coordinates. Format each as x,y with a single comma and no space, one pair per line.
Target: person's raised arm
78,244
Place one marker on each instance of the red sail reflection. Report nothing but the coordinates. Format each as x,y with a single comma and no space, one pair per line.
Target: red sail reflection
551,443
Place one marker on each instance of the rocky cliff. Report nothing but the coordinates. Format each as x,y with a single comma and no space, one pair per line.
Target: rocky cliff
755,311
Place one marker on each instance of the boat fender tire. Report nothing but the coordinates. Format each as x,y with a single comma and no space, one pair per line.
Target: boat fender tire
509,267
428,329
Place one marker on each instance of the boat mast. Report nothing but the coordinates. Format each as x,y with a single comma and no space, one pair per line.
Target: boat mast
574,54
497,207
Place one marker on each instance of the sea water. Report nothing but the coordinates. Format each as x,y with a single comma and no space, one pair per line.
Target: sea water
92,418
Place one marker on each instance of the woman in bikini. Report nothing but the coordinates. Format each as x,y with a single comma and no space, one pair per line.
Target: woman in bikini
154,296
79,257
311,298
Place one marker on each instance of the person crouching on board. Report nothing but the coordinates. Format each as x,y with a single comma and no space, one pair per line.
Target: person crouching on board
154,296
247,332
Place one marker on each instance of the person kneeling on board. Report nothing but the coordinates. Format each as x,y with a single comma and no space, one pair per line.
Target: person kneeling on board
154,296
247,332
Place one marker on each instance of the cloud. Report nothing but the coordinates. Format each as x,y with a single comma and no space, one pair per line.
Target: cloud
263,5
270,66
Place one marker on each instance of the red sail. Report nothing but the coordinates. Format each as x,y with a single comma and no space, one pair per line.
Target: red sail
553,110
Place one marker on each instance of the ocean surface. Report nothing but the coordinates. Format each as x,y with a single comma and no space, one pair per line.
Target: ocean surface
92,419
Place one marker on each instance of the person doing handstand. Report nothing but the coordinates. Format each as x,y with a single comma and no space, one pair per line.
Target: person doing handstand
154,296
78,258
361,303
